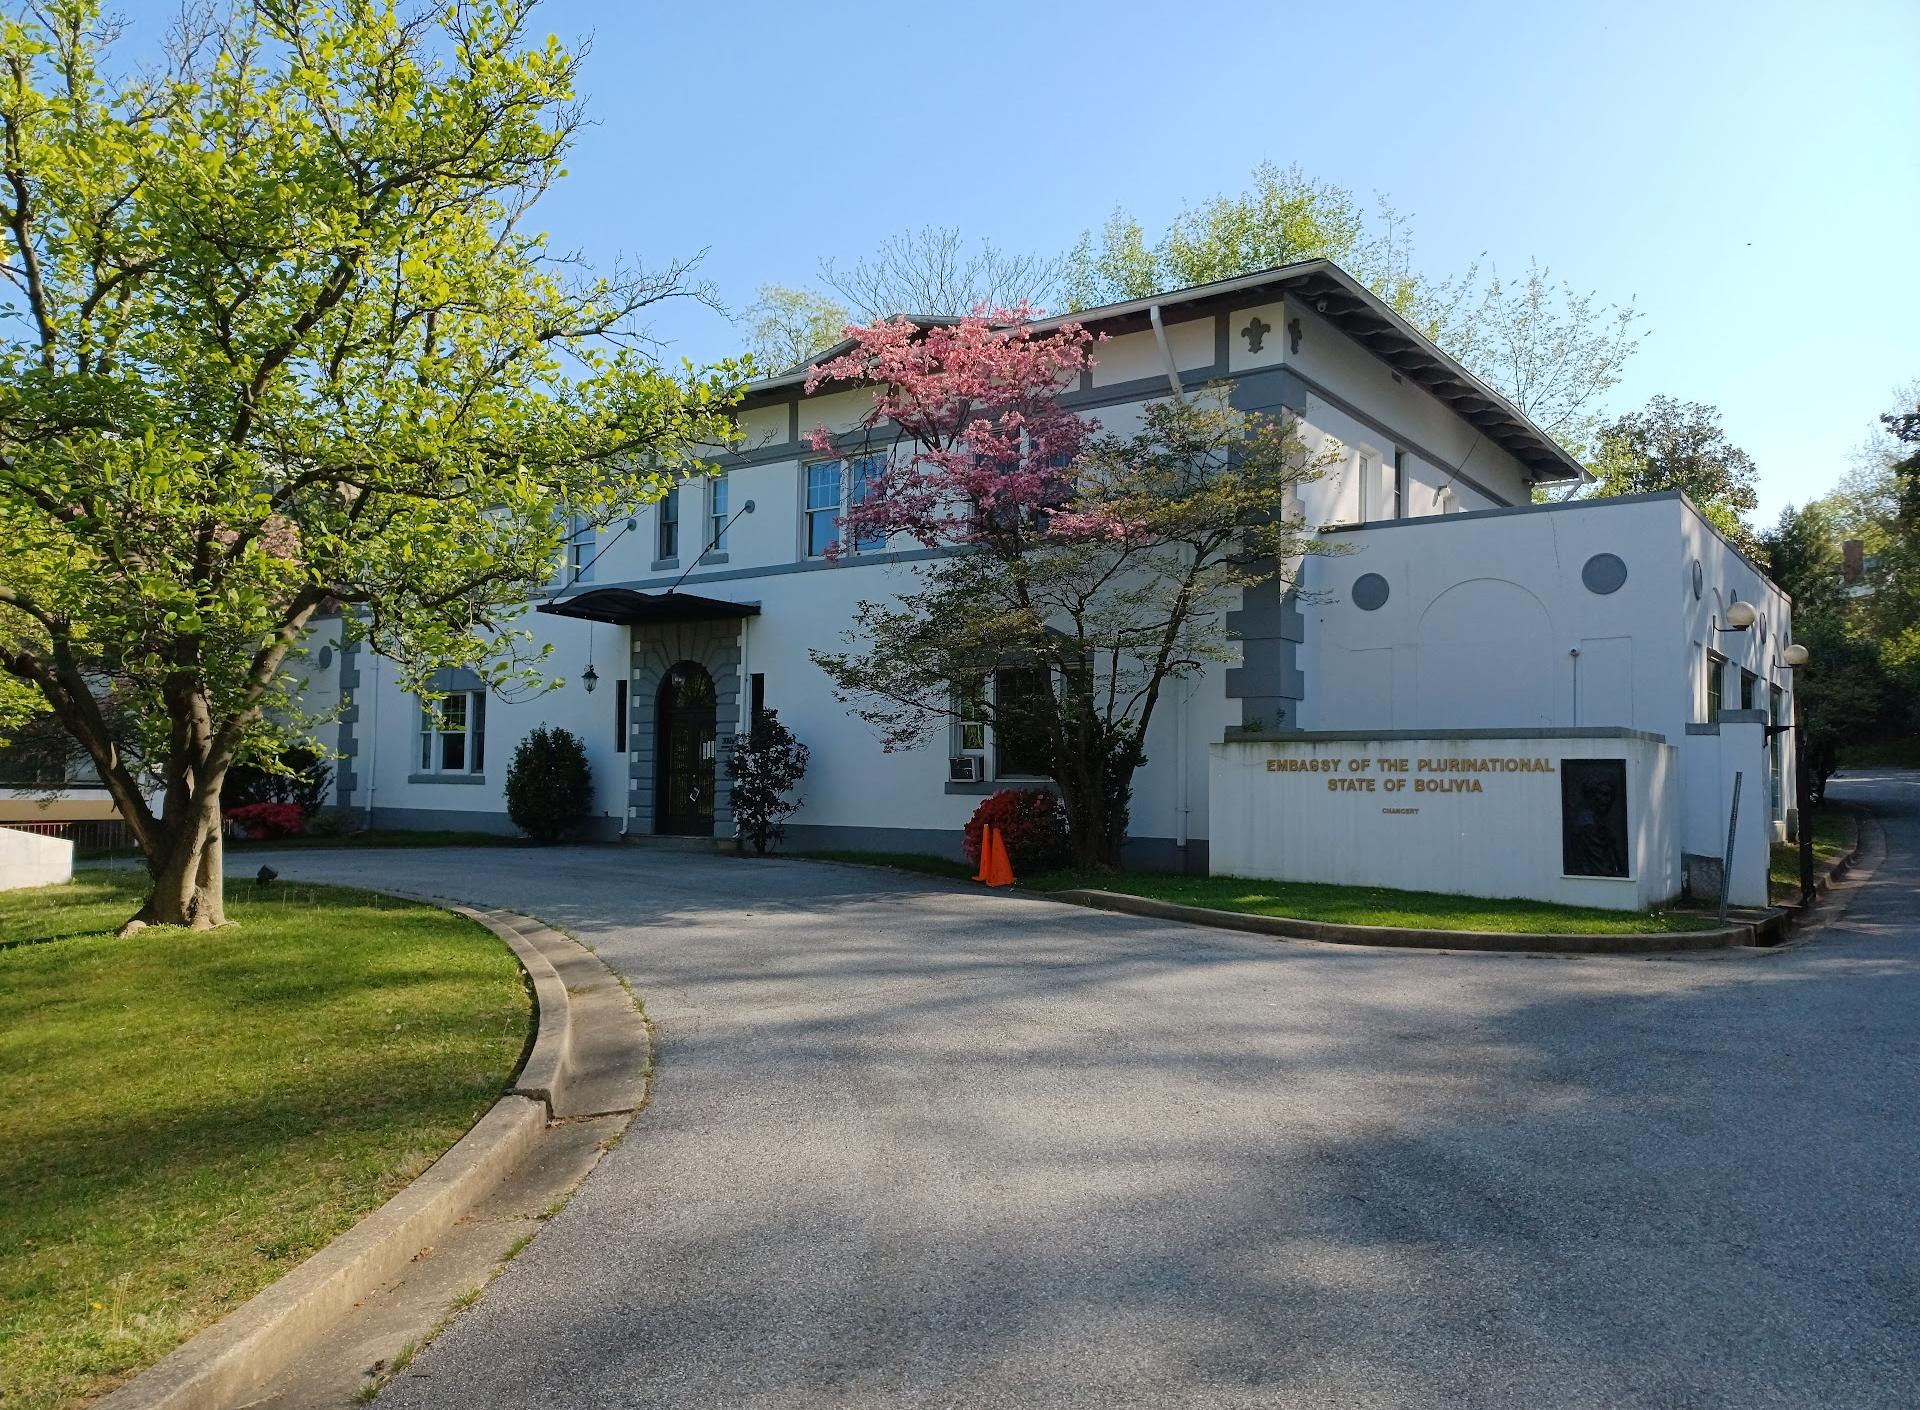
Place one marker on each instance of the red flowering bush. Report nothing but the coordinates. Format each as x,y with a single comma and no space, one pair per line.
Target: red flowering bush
1032,823
263,820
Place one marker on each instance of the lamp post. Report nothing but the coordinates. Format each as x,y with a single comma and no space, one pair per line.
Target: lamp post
1793,658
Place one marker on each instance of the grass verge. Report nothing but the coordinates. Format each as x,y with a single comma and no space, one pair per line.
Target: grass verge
1369,905
184,1116
1836,831
1343,905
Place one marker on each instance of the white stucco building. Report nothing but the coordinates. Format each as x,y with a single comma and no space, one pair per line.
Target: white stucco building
1463,616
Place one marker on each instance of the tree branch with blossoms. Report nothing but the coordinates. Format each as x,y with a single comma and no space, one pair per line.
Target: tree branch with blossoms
1108,561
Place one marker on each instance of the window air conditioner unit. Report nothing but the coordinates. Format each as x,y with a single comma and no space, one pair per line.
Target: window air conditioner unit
965,768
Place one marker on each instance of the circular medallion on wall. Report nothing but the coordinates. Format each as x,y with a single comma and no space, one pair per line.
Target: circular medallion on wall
326,657
1370,592
1699,580
1605,573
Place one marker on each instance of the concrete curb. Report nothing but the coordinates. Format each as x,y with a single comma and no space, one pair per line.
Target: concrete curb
215,1369
1286,927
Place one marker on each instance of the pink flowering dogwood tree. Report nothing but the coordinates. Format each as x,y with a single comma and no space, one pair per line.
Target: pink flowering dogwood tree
1081,573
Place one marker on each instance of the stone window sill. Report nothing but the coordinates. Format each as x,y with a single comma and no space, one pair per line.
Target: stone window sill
446,778
994,785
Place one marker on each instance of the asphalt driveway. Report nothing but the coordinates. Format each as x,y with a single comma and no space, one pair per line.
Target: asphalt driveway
911,1144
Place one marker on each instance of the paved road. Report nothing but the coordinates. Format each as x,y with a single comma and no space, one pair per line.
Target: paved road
914,1146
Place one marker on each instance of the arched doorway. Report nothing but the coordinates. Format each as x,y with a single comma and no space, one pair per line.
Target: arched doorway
684,753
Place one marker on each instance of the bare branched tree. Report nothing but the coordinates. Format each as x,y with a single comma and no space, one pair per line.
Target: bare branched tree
935,270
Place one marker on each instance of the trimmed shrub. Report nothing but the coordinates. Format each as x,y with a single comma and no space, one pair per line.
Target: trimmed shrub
298,776
549,786
1033,824
263,820
330,822
764,767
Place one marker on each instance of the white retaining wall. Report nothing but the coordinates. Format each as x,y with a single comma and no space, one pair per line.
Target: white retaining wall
1475,816
33,859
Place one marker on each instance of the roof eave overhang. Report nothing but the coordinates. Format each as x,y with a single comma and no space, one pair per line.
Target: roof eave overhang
1350,306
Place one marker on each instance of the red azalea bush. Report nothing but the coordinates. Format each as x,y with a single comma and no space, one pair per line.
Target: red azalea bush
263,820
1033,824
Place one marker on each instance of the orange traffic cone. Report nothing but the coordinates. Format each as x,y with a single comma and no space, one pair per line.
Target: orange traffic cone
995,869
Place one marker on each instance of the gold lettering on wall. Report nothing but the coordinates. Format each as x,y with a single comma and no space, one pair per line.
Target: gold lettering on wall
1440,774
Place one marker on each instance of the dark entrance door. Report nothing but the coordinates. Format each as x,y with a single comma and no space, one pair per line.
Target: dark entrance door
684,754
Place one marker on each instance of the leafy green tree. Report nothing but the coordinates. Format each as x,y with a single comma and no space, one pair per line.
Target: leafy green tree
282,337
1674,445
787,326
1803,555
549,785
1550,349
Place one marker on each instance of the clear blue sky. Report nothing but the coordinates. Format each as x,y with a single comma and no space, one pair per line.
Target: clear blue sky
1747,173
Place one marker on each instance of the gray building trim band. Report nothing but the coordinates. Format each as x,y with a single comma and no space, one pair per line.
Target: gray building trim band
1320,736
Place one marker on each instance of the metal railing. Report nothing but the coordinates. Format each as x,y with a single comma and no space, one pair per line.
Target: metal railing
86,834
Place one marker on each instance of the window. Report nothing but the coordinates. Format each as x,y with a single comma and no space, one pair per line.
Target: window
1399,484
580,536
1363,472
453,734
717,515
864,472
1776,760
669,545
757,692
1716,669
1748,680
575,562
1021,718
620,715
833,488
823,506
970,729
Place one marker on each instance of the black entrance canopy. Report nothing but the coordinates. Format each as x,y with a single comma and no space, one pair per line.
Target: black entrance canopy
623,607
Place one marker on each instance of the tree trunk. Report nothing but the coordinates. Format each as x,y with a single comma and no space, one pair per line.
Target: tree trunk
1095,828
188,871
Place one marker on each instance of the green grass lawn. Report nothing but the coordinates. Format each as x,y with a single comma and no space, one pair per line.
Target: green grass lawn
1369,905
1835,830
184,1116
1344,905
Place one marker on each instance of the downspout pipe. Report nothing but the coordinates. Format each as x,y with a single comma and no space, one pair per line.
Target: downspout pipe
1166,352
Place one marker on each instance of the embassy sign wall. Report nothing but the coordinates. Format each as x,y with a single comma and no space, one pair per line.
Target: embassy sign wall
1578,816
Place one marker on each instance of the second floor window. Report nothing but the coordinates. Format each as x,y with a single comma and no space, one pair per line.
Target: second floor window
669,545
579,548
717,515
1716,675
833,487
823,507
